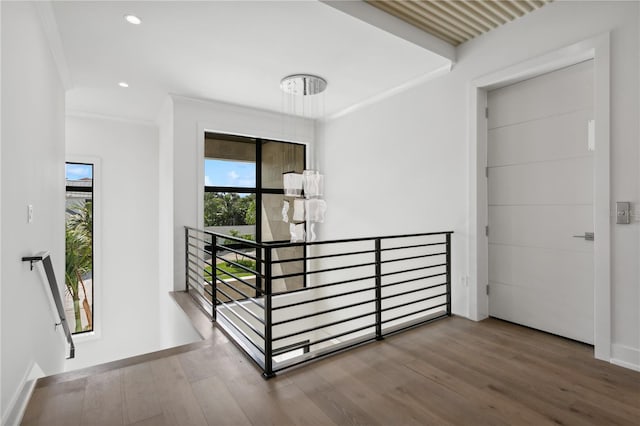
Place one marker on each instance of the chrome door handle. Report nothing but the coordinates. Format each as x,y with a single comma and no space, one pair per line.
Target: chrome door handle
587,236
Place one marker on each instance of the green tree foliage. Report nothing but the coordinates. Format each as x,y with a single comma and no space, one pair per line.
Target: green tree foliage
229,209
78,251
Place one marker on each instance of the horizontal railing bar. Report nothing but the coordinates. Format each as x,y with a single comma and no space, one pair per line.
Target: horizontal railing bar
413,279
199,286
391,296
244,334
337,268
386,274
331,324
193,237
325,256
413,246
251,271
236,251
203,304
291,347
240,291
352,240
278,244
275,308
235,302
228,237
370,277
200,261
197,291
335,336
414,313
192,263
247,323
198,249
324,354
235,278
400,259
189,268
326,311
413,302
206,262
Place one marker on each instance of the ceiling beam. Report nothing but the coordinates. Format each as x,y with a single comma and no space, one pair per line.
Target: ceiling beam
376,17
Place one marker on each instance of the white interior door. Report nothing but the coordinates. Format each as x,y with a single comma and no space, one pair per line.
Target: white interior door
540,192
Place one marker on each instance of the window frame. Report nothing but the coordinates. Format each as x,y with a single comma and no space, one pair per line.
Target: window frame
96,162
258,190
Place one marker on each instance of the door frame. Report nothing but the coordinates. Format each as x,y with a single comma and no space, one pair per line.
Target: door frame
598,49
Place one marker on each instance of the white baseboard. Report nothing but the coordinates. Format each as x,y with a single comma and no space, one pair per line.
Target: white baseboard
625,356
18,404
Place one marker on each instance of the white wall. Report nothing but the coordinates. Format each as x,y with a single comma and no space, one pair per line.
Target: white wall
32,173
128,319
182,159
401,165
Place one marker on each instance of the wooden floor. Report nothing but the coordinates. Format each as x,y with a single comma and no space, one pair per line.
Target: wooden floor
453,371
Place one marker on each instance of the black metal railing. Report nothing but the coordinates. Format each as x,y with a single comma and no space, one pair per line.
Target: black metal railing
289,303
45,258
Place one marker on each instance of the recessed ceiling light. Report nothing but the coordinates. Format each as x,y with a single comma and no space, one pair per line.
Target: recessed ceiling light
133,19
123,84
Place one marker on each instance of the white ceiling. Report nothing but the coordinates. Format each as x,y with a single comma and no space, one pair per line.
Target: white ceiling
230,51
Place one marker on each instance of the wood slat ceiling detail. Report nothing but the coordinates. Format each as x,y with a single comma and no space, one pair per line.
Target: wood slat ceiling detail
456,21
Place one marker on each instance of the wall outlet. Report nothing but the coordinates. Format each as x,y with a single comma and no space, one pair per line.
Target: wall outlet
30,213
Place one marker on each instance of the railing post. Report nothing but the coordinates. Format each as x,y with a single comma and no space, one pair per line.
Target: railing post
214,278
186,259
268,348
378,254
448,274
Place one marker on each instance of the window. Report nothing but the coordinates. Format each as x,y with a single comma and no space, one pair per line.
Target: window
78,300
243,195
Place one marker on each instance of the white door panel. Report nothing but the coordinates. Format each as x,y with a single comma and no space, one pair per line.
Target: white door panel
559,92
551,182
540,192
544,269
522,305
551,227
551,138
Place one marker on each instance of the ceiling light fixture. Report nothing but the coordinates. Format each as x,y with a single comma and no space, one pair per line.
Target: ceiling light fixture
133,19
303,84
123,84
303,95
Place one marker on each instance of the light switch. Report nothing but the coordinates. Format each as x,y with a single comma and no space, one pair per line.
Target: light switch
623,212
30,213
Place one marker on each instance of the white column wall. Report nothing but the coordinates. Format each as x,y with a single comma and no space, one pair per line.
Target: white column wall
401,165
127,308
32,173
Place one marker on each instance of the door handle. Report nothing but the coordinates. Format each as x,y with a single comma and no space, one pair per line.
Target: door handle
587,236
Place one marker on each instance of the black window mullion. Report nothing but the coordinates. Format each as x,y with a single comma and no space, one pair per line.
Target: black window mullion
259,265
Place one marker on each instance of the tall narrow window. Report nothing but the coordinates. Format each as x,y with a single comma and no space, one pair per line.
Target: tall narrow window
79,247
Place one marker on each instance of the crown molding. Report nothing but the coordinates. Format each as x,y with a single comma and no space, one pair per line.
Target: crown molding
390,92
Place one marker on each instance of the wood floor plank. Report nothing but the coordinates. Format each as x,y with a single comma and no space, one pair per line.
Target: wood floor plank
159,420
58,405
175,394
331,400
140,397
103,400
299,408
218,405
449,372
